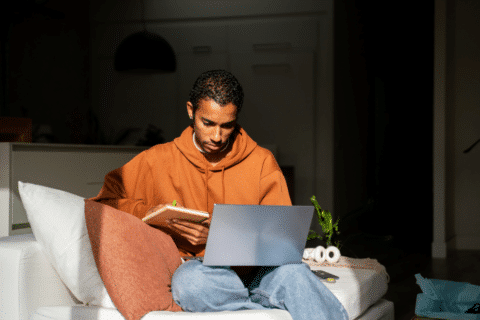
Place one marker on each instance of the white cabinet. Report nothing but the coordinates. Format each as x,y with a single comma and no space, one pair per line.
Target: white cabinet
77,169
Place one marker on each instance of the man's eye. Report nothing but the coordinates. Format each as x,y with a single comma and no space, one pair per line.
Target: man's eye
207,123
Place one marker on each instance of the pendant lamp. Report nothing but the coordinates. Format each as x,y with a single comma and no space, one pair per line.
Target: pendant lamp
145,52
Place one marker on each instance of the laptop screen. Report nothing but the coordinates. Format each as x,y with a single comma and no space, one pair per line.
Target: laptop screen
257,235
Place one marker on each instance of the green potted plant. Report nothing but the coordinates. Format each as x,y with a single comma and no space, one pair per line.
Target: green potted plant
328,227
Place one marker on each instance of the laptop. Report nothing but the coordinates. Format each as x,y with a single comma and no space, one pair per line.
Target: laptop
257,235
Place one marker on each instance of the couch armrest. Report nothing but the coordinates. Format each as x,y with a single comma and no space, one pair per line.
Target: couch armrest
27,279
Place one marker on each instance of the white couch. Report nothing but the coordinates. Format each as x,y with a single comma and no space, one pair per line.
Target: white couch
42,278
32,289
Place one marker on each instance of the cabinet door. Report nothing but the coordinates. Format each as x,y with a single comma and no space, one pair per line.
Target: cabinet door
278,109
194,37
275,34
78,170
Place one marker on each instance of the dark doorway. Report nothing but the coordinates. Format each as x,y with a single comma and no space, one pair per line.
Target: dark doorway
399,54
383,109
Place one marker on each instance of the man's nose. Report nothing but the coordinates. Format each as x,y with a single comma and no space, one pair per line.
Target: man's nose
217,135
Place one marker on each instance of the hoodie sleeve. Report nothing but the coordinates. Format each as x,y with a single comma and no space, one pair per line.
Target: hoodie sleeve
126,188
273,186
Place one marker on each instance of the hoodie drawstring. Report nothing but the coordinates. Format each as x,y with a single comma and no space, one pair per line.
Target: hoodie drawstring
223,184
206,191
206,186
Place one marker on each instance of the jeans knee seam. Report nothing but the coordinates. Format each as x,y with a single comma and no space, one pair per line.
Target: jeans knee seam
271,300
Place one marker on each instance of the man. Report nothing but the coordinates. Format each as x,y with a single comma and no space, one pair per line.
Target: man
215,161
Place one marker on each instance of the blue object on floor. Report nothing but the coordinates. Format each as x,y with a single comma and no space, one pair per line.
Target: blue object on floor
445,299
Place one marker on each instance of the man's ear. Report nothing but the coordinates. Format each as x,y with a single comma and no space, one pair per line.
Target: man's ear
190,109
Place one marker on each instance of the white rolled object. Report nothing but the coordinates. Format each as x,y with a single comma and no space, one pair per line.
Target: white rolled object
319,254
308,253
332,254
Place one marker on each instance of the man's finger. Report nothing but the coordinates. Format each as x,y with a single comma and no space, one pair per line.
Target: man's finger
195,232
195,241
191,225
192,239
207,222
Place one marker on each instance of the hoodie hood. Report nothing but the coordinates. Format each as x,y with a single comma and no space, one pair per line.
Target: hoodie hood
242,146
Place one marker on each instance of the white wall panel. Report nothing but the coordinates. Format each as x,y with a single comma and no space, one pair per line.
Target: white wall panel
273,34
278,109
193,37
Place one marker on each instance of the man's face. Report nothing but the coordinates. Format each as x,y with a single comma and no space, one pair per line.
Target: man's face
213,124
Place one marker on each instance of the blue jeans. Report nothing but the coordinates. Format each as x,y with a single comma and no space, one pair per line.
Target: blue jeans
291,287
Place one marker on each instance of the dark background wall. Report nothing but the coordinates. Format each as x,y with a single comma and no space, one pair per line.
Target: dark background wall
48,63
384,117
383,59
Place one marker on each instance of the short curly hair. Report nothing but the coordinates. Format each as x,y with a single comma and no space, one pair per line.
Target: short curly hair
220,86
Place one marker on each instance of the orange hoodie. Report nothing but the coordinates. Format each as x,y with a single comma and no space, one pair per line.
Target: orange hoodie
177,170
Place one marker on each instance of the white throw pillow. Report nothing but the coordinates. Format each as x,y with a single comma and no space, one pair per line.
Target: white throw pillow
57,219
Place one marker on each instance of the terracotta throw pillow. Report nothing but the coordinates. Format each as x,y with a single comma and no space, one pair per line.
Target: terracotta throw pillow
136,262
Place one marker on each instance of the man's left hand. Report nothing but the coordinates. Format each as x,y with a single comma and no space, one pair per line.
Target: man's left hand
195,233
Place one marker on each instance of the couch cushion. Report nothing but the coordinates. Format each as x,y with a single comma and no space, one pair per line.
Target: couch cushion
135,260
95,313
382,310
57,220
356,289
27,279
